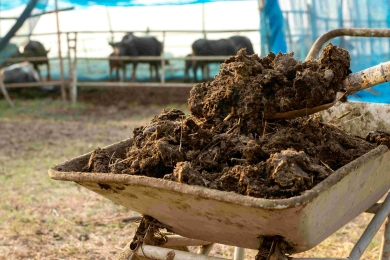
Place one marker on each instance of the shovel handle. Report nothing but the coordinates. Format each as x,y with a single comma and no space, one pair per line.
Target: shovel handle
367,78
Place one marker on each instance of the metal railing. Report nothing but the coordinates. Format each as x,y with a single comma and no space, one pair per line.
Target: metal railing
143,31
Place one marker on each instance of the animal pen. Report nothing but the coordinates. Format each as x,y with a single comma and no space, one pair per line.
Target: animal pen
294,27
69,64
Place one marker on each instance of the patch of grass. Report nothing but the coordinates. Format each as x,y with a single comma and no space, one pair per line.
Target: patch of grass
41,108
50,109
34,205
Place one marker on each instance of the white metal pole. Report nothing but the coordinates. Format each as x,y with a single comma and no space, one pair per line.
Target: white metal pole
239,253
109,23
161,253
204,21
205,250
205,69
74,71
63,92
385,249
5,93
163,60
371,230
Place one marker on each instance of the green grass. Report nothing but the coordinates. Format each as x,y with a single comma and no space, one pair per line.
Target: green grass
38,214
41,108
31,196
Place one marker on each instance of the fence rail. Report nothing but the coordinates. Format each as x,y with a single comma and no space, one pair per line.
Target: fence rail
21,59
160,58
33,84
134,84
128,58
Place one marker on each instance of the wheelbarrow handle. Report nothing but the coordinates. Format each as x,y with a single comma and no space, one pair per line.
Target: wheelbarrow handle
367,78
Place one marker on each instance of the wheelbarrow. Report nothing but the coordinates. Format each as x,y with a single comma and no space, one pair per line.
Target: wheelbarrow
198,216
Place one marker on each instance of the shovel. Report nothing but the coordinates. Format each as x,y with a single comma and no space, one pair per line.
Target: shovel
353,83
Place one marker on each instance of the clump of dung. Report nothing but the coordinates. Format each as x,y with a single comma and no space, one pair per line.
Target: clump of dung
227,143
250,88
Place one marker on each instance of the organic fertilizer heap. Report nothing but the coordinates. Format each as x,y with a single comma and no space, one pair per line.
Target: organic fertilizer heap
227,143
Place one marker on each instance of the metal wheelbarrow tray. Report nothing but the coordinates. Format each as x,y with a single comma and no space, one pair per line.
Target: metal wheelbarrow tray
233,219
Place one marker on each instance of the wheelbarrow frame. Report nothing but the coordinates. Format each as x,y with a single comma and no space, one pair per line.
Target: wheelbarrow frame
381,212
307,219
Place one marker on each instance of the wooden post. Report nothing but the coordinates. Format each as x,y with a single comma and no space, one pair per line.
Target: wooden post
109,24
204,21
74,71
72,61
63,92
205,70
68,56
163,60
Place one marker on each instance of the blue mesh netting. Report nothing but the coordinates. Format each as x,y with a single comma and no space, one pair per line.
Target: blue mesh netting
306,20
11,4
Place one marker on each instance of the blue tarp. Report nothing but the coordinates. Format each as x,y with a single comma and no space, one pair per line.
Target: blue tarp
11,4
306,20
275,22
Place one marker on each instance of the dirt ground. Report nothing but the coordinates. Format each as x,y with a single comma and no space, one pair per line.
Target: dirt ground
117,97
45,219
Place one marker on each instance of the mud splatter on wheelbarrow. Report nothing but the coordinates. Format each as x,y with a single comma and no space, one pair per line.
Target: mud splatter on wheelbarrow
227,143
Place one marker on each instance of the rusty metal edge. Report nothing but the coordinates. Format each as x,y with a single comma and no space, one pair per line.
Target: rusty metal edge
55,173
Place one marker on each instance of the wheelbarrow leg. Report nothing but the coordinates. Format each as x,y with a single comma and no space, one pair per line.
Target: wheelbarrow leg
371,230
161,253
205,250
126,254
239,253
385,250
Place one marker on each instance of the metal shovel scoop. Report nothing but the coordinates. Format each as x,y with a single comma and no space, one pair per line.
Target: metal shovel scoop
353,83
